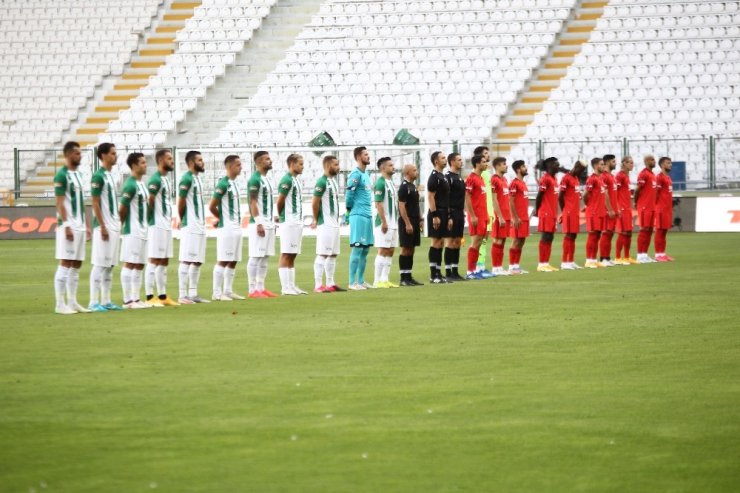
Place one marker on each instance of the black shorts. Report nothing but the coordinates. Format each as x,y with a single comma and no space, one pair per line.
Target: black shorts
441,232
406,240
458,224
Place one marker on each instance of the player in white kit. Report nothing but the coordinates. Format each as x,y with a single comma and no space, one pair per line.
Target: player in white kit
290,210
261,226
133,215
386,223
325,208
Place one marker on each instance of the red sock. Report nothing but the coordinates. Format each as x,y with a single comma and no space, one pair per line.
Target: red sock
605,245
472,258
545,249
620,242
518,258
497,255
566,249
512,256
660,241
643,240
572,253
626,244
592,244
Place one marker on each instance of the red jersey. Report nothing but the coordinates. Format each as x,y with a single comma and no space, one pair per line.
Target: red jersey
596,203
624,201
476,188
611,188
647,184
570,188
501,189
549,202
518,190
664,200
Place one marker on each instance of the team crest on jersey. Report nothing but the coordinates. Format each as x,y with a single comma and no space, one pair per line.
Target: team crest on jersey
127,195
57,184
95,185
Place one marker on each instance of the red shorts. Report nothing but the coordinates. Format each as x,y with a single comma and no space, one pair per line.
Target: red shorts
663,219
610,223
481,229
571,222
595,223
521,232
547,224
646,218
624,222
498,231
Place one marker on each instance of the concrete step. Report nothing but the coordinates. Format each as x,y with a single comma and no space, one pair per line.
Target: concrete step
91,129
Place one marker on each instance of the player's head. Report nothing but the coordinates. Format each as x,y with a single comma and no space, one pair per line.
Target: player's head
72,154
552,165
331,165
295,164
520,168
137,163
628,164
410,172
499,165
597,164
665,164
362,157
107,154
649,161
194,160
233,165
579,169
262,161
610,162
455,161
482,151
478,163
385,166
439,160
165,161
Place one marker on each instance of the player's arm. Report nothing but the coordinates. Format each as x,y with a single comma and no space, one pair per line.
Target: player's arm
537,202
403,197
638,189
349,193
561,199
469,208
379,196
609,208
516,221
586,192
126,196
283,191
96,188
318,193
496,207
185,185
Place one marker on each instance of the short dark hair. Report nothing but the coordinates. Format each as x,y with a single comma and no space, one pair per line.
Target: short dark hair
595,161
160,154
609,157
478,151
190,156
69,146
293,158
663,160
133,158
435,155
230,159
358,151
382,161
104,148
477,159
498,160
517,164
329,159
452,156
259,154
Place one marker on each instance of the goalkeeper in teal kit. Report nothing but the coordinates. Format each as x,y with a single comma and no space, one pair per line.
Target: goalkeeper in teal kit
359,200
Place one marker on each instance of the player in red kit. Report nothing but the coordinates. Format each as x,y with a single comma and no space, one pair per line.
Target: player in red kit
475,204
546,209
595,198
519,207
645,204
570,206
663,208
502,213
624,213
610,222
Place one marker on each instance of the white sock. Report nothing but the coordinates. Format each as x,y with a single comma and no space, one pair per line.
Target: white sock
218,280
261,273
379,265
136,276
106,285
387,268
160,276
96,281
193,278
182,279
284,275
252,266
149,277
126,284
291,278
60,285
73,279
318,270
330,268
229,275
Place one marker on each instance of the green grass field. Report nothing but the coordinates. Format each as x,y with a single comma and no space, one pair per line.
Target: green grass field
622,380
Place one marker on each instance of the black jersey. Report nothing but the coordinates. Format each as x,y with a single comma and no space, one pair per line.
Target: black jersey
440,187
457,191
409,195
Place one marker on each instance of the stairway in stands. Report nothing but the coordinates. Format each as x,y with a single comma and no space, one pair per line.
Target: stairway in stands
530,100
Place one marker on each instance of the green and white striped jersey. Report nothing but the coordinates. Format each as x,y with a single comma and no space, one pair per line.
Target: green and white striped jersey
102,185
261,188
385,192
134,197
191,188
161,215
68,184
328,189
229,204
290,187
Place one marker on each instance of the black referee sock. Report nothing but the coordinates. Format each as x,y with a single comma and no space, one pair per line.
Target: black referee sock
448,261
435,257
455,260
405,265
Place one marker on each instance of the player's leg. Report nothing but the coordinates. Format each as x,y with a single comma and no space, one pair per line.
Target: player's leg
605,243
545,250
75,256
262,267
297,236
198,257
476,241
594,226
663,222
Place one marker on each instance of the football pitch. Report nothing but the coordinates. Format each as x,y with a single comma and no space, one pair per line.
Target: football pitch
624,379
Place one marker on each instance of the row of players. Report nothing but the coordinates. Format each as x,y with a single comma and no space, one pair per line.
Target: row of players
142,218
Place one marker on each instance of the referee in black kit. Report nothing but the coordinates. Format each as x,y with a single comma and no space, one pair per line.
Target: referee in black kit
409,225
438,222
457,215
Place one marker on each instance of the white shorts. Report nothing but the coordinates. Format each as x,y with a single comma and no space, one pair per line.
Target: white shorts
291,238
386,240
105,253
327,240
261,246
159,242
70,250
228,245
192,247
133,250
